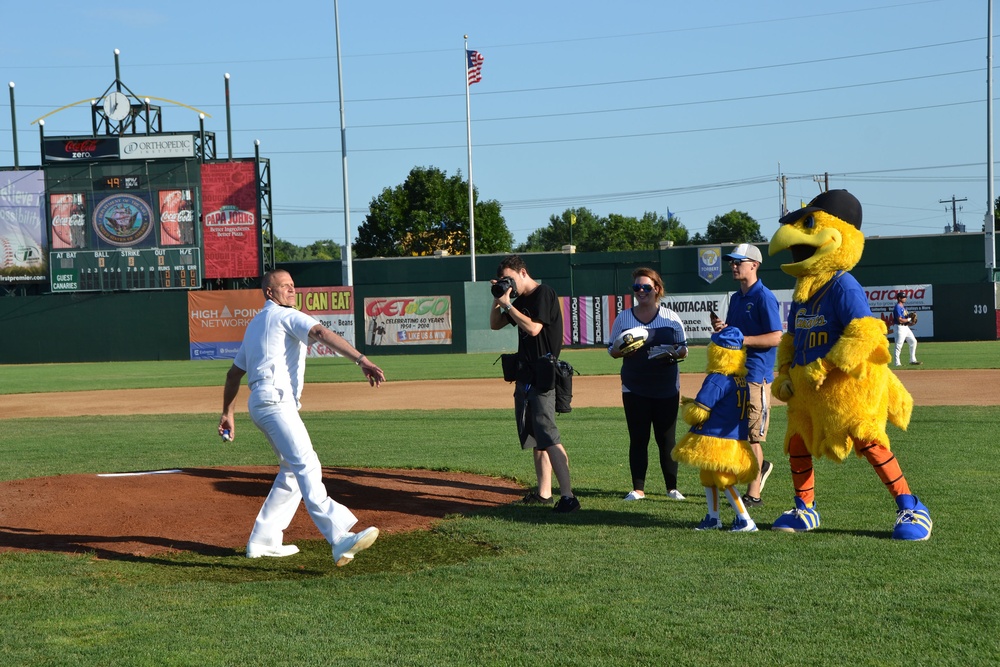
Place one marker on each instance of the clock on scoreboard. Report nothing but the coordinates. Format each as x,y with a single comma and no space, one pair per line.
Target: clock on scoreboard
125,269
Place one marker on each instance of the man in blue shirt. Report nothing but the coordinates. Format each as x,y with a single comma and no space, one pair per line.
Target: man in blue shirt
753,309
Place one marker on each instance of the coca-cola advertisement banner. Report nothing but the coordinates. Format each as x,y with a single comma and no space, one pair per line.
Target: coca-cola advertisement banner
23,242
68,216
176,217
230,225
69,150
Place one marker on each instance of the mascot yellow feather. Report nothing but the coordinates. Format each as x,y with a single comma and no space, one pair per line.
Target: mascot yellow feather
717,442
833,364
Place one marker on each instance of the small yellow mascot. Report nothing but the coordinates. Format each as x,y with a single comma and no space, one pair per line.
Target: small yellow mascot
833,364
718,440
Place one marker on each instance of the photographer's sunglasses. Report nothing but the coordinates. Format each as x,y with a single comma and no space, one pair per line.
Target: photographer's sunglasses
642,288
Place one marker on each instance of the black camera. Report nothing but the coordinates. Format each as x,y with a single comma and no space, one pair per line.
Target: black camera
499,287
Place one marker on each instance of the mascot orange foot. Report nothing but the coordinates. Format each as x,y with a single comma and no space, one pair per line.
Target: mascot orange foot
833,364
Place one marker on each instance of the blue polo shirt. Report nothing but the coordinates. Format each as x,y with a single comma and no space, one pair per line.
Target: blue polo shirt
754,314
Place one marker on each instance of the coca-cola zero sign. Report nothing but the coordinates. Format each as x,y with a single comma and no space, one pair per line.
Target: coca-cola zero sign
69,150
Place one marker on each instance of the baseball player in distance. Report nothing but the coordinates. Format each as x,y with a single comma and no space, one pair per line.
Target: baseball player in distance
903,319
273,356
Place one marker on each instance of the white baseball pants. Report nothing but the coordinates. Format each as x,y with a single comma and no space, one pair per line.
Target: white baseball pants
905,335
300,475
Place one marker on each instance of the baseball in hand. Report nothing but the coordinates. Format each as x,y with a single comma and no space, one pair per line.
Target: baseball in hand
226,435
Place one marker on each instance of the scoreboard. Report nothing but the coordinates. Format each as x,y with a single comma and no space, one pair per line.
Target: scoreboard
126,269
119,225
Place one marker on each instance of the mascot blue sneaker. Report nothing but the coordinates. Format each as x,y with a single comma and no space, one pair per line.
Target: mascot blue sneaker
710,523
798,520
913,520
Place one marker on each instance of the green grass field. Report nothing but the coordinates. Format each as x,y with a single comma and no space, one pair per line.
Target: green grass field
613,584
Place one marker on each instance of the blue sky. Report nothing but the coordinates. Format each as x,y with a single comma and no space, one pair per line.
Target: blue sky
619,107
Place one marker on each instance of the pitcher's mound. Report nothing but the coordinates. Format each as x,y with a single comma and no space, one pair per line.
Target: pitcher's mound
210,511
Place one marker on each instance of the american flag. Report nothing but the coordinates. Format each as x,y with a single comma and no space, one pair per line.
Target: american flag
474,61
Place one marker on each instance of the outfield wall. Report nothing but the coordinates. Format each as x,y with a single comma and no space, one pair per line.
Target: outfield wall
124,326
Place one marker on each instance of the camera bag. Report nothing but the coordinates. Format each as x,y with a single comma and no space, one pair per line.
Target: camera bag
510,365
564,386
545,373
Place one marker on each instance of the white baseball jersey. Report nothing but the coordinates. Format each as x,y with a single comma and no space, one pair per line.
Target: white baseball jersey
273,352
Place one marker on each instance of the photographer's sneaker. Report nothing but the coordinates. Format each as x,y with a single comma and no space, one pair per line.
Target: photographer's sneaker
567,504
532,498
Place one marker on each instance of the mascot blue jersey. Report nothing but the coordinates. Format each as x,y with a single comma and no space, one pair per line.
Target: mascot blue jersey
818,323
728,398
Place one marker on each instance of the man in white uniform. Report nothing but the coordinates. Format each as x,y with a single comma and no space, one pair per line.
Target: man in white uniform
273,356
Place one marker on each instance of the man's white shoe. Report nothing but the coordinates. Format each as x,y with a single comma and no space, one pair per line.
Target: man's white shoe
345,548
674,494
280,551
633,495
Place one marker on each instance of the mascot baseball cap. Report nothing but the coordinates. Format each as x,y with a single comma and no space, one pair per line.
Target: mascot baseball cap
745,251
838,203
729,338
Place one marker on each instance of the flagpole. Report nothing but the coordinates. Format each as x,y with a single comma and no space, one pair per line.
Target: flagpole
347,266
468,132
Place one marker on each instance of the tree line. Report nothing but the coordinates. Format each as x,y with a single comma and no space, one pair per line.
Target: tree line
429,212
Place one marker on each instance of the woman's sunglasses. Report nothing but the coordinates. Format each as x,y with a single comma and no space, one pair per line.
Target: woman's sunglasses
642,288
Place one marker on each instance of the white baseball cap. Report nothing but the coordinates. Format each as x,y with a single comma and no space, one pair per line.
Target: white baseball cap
745,251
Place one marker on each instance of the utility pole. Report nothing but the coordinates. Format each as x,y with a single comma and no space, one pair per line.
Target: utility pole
954,210
825,180
783,185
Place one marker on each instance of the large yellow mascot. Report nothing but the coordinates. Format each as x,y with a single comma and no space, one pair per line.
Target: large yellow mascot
833,364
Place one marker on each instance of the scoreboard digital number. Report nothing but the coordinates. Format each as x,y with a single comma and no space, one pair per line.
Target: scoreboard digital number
118,183
133,269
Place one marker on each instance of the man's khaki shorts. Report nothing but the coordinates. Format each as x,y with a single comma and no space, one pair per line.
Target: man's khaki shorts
760,410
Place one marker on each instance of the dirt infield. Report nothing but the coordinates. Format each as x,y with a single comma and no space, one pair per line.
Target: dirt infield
928,387
146,514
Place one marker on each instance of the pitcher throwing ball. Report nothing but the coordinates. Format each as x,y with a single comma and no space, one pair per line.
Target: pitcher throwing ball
273,356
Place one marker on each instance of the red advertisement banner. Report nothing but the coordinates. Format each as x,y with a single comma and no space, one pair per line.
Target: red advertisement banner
230,220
